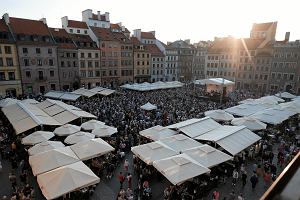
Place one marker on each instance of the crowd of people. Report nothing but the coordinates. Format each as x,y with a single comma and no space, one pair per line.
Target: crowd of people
123,111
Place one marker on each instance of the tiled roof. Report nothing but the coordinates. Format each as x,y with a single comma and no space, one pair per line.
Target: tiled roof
121,37
115,26
28,27
147,35
135,41
103,33
126,30
66,46
262,26
78,38
77,24
3,26
154,50
62,33
59,32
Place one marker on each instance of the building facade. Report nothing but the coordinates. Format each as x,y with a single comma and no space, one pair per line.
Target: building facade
157,63
10,79
171,64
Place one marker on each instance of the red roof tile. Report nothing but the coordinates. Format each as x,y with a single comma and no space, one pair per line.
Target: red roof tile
135,41
115,26
59,32
28,27
3,26
121,37
147,35
262,26
103,33
154,50
77,24
62,33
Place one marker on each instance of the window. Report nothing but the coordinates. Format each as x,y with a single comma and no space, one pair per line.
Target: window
266,77
291,77
7,49
85,31
28,74
90,64
279,75
96,55
2,76
51,63
11,76
82,55
82,73
89,55
38,50
98,73
9,62
96,64
41,75
1,62
71,30
39,62
78,31
52,86
82,64
25,50
51,73
90,73
49,51
273,75
62,63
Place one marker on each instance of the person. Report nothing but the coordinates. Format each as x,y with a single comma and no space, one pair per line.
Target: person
235,176
240,197
121,179
216,195
244,178
129,178
126,165
254,180
13,180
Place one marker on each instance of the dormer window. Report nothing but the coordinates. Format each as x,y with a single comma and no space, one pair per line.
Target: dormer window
71,30
78,31
85,32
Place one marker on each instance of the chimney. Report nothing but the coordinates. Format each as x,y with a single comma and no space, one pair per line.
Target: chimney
287,36
123,28
188,41
153,33
64,21
120,24
44,20
6,18
137,34
107,16
99,15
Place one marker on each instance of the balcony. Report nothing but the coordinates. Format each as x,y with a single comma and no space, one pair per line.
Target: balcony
41,79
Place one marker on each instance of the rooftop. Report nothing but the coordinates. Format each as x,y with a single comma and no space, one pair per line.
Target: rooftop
262,26
77,24
28,27
147,35
154,50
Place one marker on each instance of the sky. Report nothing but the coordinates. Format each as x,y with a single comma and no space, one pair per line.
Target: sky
171,19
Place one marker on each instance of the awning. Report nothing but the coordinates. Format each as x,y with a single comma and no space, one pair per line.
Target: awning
8,102
66,179
251,123
67,129
247,109
105,131
219,115
44,146
233,139
92,124
84,92
157,132
153,151
37,137
79,137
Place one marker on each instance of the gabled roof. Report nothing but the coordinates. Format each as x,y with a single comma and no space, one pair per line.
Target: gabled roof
67,42
147,35
121,37
135,41
28,27
103,33
262,26
3,26
77,24
154,50
59,32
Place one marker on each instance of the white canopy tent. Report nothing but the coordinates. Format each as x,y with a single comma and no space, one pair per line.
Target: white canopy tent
44,146
92,124
79,137
157,132
199,127
251,123
207,155
84,92
52,159
247,109
219,115
66,179
275,115
102,91
152,86
7,102
37,137
67,129
91,149
271,99
149,106
183,123
292,105
104,131
233,139
285,95
180,142
153,151
68,96
180,168
25,116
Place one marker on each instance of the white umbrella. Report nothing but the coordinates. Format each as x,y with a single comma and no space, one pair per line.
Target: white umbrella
219,115
104,131
66,179
79,137
149,106
66,130
49,160
91,149
285,95
92,124
251,123
37,137
44,146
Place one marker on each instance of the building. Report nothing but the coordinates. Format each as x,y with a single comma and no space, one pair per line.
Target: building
141,62
10,79
96,20
67,60
199,61
88,52
186,59
171,64
157,69
37,54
